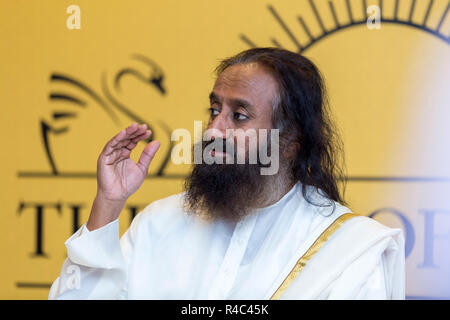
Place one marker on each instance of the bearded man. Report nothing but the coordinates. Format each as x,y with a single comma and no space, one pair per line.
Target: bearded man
236,233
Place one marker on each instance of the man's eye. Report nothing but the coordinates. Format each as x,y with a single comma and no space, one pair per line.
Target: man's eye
214,112
240,117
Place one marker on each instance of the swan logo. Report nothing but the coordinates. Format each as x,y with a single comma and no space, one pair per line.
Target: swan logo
151,74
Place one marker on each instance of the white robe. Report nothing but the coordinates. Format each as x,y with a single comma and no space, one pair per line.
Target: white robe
168,254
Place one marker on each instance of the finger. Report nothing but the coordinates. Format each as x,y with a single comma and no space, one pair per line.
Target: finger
113,140
129,131
141,129
142,136
134,142
132,127
117,155
147,155
129,143
119,138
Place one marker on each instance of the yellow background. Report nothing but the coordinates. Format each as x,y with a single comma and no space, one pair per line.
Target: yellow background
388,89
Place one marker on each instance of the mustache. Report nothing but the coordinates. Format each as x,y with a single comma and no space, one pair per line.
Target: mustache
227,147
231,151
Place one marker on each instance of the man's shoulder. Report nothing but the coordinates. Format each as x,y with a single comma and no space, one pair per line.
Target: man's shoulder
359,229
172,202
368,224
353,224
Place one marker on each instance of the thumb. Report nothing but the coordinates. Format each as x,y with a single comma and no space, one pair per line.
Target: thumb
147,155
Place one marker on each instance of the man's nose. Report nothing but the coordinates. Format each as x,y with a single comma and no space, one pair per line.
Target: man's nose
218,127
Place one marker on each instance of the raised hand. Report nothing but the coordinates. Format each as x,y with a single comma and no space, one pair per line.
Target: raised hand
118,176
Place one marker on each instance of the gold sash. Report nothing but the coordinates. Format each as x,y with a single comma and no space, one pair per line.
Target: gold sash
312,250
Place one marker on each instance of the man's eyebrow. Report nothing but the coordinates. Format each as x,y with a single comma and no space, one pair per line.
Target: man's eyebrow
213,97
235,102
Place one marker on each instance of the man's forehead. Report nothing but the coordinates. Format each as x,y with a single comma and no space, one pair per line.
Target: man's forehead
245,79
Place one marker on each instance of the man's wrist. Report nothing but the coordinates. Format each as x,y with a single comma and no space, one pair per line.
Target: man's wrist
103,212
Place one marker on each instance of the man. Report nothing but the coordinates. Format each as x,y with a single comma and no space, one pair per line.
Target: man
236,233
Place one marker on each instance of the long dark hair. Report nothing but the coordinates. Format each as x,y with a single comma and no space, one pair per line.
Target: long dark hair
301,112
